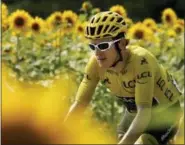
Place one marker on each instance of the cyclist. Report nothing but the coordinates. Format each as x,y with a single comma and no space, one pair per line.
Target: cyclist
133,74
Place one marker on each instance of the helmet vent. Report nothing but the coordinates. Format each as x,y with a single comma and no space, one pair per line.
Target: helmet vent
119,20
112,28
107,35
97,20
99,29
112,19
104,19
123,23
92,30
115,29
87,30
92,21
106,28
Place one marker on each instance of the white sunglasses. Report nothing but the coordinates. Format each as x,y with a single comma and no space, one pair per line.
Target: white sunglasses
103,46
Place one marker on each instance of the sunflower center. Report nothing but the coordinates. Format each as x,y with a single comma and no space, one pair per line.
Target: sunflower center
119,12
80,29
139,34
36,27
19,22
58,20
178,30
148,25
168,18
69,20
30,135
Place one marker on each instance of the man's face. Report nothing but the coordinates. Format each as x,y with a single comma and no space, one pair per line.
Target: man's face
107,57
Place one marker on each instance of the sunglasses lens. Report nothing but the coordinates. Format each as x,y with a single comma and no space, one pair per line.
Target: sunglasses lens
103,46
92,46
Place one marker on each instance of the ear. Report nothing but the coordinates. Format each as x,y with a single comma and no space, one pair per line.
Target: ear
127,41
123,43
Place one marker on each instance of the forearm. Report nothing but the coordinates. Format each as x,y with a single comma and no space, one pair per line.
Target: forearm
75,108
137,127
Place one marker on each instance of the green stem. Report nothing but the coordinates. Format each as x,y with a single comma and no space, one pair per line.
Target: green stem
18,46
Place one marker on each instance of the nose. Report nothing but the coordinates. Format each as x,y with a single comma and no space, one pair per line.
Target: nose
97,51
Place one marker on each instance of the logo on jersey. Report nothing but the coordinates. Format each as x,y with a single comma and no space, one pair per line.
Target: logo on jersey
123,71
112,72
173,81
167,92
144,61
141,77
128,86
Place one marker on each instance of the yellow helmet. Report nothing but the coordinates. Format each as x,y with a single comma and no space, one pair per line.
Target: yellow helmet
104,25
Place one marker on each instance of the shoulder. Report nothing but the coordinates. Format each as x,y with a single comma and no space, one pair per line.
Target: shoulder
141,55
139,51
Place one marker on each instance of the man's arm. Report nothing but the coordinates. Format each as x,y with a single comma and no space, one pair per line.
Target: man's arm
144,90
85,90
138,125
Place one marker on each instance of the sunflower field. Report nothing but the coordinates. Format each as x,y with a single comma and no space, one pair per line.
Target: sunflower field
42,65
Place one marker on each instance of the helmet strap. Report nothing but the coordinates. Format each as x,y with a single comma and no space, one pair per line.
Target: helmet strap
119,55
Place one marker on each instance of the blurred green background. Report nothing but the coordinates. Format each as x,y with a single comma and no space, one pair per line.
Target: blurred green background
137,9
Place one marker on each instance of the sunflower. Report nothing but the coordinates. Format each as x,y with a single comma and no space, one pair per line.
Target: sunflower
69,19
129,22
178,28
181,22
119,9
140,32
150,23
80,28
5,23
54,20
20,21
169,17
4,10
37,25
86,6
95,11
171,33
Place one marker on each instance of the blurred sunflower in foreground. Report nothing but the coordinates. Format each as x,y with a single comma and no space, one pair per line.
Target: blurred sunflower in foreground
37,117
69,19
119,9
54,21
20,21
169,17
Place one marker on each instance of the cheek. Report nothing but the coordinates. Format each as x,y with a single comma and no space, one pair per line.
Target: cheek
111,53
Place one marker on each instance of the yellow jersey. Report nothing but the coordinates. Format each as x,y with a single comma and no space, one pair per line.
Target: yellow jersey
142,81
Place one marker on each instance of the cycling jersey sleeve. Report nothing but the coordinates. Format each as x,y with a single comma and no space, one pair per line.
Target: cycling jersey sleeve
144,73
89,82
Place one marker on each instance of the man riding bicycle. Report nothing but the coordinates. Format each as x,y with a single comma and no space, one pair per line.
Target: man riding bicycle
133,74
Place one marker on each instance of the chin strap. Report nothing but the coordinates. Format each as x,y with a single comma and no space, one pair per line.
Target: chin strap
119,55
